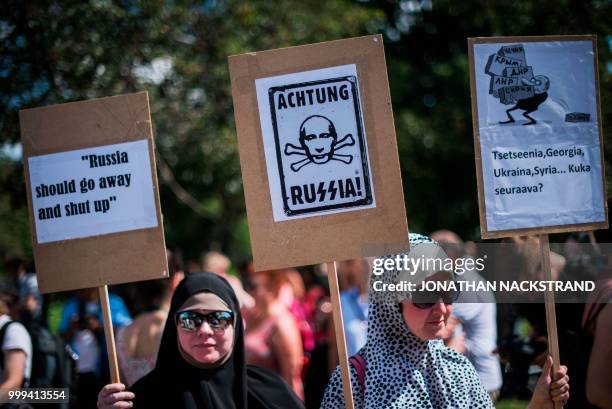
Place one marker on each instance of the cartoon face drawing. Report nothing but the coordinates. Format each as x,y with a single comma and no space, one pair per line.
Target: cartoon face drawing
319,143
315,142
541,84
318,137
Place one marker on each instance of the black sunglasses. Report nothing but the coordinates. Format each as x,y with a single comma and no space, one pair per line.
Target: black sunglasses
192,320
427,299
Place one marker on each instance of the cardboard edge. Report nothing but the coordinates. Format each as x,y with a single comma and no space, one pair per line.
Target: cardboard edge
600,125
396,158
569,228
378,37
85,101
531,39
233,67
26,176
476,136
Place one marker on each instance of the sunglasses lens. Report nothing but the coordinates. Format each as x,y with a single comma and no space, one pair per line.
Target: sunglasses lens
427,299
191,320
219,319
449,297
423,305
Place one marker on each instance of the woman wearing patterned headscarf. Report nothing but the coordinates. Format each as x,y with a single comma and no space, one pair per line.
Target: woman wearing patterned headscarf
406,363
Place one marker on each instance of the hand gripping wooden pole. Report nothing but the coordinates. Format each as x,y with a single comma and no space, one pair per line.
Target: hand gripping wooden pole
108,333
549,303
334,291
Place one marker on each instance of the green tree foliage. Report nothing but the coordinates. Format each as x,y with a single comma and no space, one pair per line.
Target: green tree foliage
59,51
429,77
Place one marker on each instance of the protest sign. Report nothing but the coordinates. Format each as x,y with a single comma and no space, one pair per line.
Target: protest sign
113,191
537,134
318,153
319,159
92,193
538,143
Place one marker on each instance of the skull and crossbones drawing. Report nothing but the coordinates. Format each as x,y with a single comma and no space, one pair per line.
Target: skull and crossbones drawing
319,143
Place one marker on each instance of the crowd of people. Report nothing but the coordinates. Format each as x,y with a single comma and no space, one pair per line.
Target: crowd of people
235,337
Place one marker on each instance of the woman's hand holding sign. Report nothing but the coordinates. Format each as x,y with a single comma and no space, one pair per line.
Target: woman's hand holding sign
114,396
550,387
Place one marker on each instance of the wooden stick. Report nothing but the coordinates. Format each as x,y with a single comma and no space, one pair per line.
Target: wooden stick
334,290
108,332
549,300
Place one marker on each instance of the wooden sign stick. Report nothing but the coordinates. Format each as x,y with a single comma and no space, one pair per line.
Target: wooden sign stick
334,291
108,332
549,303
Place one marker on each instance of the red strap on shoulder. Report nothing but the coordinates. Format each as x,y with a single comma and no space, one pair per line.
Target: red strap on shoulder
360,367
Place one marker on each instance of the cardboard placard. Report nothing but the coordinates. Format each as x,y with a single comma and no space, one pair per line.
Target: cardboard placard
318,153
92,193
537,134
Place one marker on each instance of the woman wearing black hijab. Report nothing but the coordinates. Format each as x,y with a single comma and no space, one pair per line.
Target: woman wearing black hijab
201,364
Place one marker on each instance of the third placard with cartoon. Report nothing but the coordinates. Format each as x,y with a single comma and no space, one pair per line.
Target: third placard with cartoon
537,128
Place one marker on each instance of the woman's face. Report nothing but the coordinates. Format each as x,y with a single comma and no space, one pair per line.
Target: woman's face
206,345
427,324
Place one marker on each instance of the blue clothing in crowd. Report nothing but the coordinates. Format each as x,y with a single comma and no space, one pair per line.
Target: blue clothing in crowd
355,316
88,345
119,312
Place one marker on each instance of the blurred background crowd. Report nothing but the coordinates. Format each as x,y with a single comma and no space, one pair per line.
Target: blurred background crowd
60,51
288,323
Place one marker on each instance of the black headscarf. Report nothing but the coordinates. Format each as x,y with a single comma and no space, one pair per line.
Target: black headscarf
174,383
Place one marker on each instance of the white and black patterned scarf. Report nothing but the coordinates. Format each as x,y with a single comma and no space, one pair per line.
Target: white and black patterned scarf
403,371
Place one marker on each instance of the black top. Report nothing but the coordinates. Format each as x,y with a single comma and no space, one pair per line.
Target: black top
174,383
532,103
